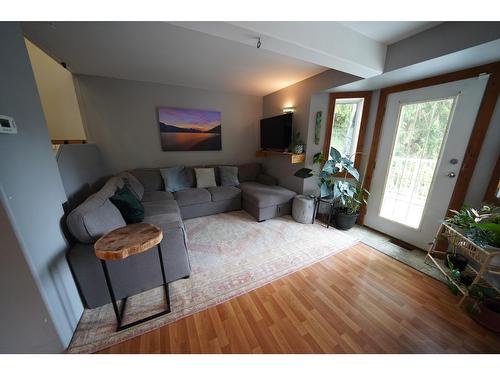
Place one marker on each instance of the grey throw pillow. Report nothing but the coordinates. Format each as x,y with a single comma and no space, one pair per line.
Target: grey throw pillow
228,176
205,177
177,178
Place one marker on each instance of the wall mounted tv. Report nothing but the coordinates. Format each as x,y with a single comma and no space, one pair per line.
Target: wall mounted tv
276,132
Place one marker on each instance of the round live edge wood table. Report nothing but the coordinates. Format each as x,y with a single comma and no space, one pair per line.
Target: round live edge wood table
122,243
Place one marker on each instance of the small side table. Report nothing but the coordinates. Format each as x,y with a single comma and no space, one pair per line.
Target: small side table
122,243
330,202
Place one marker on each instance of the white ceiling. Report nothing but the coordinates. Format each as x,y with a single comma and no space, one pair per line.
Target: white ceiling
220,56
163,53
389,32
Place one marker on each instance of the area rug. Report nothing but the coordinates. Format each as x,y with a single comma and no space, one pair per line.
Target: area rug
230,254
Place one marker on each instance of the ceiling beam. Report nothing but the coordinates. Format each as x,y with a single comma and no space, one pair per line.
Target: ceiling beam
329,44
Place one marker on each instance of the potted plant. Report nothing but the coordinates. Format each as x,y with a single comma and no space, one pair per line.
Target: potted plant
297,145
484,306
346,191
347,214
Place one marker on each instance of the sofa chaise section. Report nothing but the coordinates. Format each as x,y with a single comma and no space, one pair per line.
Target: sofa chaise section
266,201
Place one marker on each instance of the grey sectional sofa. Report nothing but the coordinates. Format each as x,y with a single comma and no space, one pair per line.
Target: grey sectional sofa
257,193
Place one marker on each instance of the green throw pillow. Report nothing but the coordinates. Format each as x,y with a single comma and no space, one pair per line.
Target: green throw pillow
129,206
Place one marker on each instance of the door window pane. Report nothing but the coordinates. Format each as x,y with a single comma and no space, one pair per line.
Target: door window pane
346,125
421,131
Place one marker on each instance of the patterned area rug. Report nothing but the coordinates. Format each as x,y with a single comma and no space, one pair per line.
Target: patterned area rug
231,254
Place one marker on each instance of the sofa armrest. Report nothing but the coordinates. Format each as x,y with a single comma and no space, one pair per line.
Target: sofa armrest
266,179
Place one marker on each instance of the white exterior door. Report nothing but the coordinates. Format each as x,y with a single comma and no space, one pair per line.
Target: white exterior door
424,136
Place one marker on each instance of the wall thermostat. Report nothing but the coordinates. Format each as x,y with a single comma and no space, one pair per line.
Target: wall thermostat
7,125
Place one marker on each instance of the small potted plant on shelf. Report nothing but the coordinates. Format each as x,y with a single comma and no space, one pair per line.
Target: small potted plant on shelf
346,190
297,145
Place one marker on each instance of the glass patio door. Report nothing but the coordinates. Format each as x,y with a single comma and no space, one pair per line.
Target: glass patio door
424,137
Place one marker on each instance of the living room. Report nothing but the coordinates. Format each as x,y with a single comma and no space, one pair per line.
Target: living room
250,187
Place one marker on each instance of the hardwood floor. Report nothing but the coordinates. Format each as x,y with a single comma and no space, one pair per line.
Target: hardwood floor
358,301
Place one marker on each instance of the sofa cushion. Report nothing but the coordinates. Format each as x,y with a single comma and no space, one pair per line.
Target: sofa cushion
128,204
228,176
248,172
191,196
150,178
163,212
96,216
133,183
265,195
266,179
222,193
205,177
177,178
156,195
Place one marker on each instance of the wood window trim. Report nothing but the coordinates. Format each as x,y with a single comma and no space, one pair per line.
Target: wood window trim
366,95
481,125
490,195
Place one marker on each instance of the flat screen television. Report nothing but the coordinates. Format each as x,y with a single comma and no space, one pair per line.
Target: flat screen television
276,132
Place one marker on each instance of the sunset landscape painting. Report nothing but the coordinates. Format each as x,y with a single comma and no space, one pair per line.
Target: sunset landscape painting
189,129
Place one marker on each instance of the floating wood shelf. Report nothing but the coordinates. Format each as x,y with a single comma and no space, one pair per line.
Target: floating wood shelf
294,158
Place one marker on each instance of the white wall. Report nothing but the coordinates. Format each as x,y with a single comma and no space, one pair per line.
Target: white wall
490,151
57,93
33,196
121,118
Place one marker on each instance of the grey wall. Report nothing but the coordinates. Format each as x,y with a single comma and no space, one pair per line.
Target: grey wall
121,117
24,321
443,39
34,195
299,96
83,171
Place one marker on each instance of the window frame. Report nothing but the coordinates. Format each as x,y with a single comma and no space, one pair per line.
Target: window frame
366,95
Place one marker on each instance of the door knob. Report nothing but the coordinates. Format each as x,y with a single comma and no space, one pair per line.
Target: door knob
452,175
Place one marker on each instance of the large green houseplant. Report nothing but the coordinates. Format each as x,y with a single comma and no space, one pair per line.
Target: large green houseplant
346,191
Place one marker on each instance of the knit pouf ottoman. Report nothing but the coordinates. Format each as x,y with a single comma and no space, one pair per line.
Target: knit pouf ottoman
303,209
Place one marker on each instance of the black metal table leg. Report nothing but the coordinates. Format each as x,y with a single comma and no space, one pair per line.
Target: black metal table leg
119,314
111,293
165,284
315,210
329,216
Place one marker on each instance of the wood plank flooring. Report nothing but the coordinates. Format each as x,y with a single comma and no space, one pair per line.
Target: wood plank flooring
358,301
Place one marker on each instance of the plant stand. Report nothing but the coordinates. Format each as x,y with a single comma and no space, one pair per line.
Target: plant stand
461,244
